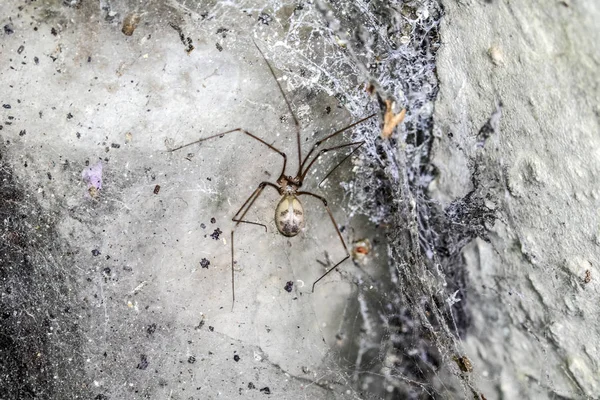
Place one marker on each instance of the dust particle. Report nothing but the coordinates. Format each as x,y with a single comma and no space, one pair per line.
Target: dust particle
215,234
204,263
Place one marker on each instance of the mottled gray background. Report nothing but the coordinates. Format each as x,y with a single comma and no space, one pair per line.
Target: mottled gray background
485,242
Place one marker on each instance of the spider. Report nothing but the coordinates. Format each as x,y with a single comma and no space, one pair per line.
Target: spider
289,212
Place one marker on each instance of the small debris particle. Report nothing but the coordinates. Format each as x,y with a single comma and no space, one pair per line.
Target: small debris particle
89,59
115,145
49,176
288,286
391,120
236,358
20,49
156,189
36,60
495,55
219,47
143,364
151,329
211,328
53,31
588,276
265,19
251,385
22,132
213,220
202,226
95,252
464,363
191,359
200,324
69,116
266,390
328,110
8,29
7,106
204,263
130,23
106,271
215,234
78,134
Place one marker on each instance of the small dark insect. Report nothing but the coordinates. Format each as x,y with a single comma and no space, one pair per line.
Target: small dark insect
288,286
289,212
156,189
7,106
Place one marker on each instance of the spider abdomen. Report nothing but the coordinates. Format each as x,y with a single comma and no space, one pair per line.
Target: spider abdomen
289,215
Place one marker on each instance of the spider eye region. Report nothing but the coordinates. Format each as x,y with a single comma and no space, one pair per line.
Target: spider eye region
289,216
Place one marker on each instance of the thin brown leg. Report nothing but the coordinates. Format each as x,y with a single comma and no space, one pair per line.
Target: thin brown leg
246,206
340,163
323,151
296,123
281,153
319,142
336,229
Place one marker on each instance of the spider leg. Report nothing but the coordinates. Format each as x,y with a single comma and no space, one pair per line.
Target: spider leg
287,102
336,229
340,163
281,153
322,151
245,207
319,142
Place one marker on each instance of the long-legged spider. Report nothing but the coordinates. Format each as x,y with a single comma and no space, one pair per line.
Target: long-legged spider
289,213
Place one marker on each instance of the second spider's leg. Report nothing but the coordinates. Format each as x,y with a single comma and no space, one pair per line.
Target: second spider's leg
338,233
245,207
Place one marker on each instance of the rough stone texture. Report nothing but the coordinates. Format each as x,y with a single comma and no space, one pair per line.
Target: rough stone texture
535,331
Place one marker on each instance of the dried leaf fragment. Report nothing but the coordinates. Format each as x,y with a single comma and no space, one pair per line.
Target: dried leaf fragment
391,120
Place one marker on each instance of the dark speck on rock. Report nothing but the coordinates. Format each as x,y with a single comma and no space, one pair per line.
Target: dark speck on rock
36,60
8,29
236,358
95,252
143,364
202,226
213,220
215,234
219,47
251,385
204,263
191,359
106,271
288,286
69,116
53,31
211,328
7,106
115,145
22,133
151,329
266,390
